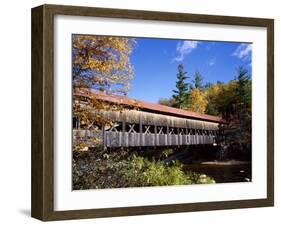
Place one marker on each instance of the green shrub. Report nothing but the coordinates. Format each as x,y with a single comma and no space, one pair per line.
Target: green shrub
124,169
142,172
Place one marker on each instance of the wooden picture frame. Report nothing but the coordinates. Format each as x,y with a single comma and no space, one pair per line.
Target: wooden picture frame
42,203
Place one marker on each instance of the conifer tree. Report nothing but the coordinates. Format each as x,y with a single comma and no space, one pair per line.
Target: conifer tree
198,80
180,93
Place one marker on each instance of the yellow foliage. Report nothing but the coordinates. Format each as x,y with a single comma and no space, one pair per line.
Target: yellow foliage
198,101
102,62
214,89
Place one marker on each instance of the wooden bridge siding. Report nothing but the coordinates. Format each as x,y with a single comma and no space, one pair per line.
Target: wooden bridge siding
148,139
125,139
113,139
120,139
147,118
134,139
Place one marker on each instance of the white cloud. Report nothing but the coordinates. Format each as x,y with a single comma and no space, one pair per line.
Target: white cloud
243,51
184,48
212,61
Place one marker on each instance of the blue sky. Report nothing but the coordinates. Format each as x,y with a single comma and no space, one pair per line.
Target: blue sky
155,64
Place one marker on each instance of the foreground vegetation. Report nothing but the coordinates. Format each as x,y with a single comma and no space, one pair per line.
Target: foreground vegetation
122,168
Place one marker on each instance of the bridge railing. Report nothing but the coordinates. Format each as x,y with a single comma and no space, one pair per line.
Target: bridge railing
125,139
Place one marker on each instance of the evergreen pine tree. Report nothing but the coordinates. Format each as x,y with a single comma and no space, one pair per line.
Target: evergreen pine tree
180,94
243,80
244,98
198,80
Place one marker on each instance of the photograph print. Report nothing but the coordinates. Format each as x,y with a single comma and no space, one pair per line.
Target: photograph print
160,112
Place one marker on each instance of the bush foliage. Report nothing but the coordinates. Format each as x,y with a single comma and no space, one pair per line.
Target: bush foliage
121,169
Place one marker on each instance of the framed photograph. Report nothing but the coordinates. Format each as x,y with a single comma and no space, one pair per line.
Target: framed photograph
141,112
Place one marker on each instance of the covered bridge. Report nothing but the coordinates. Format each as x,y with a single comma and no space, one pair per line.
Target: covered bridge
150,125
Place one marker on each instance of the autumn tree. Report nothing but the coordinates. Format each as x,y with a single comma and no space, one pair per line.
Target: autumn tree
226,101
212,91
233,102
181,87
100,64
233,99
198,101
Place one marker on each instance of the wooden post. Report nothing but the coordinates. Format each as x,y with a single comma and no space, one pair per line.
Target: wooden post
140,125
123,129
155,135
167,135
178,132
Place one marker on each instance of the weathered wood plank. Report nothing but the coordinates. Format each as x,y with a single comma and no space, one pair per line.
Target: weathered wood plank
125,139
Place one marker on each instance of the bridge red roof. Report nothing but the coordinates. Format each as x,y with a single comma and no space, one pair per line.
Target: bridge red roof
148,106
